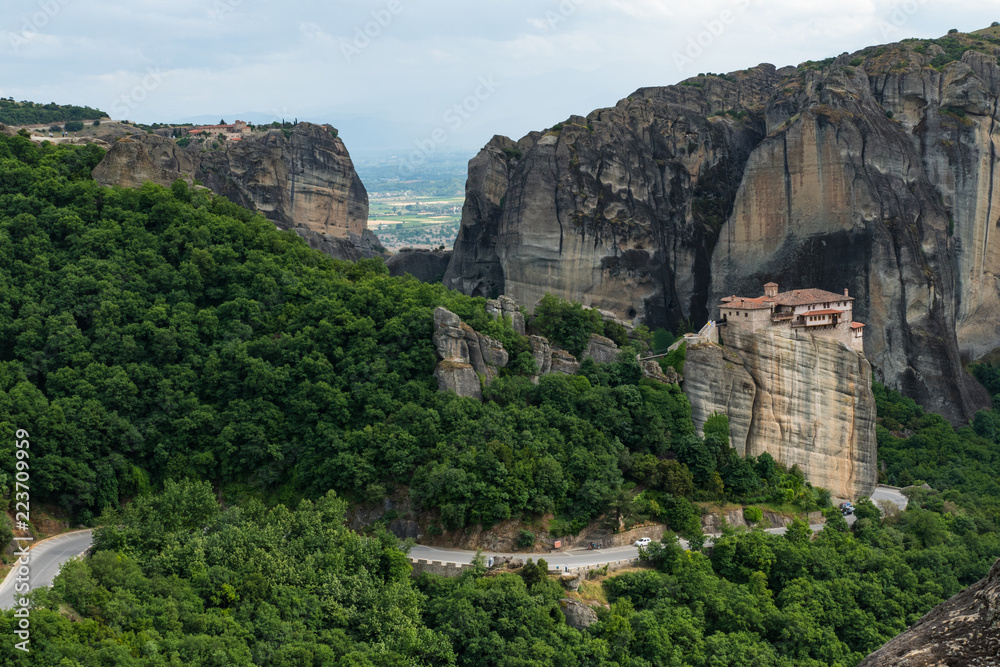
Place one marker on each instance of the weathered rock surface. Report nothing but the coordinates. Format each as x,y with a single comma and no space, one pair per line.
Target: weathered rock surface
305,182
715,380
651,370
882,177
427,266
542,352
504,306
961,632
6,131
466,355
563,362
811,398
600,349
578,615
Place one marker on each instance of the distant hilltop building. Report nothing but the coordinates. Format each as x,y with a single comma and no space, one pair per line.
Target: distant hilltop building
815,311
234,132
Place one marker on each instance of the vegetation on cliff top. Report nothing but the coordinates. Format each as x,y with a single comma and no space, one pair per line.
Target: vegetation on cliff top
30,113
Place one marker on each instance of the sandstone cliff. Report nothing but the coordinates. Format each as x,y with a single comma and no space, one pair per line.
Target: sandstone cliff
805,399
305,181
874,170
961,632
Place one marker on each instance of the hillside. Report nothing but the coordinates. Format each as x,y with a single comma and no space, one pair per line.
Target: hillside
167,349
874,170
32,113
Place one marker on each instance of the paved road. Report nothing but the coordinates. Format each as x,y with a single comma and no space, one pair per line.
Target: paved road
890,493
588,558
45,560
48,556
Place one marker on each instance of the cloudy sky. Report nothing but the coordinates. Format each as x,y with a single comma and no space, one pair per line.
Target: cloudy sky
389,73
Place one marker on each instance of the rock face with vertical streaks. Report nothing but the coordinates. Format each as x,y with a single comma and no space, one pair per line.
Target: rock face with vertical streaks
875,170
305,181
805,399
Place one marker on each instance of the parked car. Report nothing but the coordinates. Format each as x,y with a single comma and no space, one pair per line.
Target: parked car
643,542
846,508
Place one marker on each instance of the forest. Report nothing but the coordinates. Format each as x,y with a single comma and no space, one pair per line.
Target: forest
161,334
32,113
214,395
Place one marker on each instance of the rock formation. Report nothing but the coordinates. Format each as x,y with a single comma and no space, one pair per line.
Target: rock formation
961,632
600,349
578,615
427,266
506,307
651,370
305,181
805,399
465,356
563,362
875,170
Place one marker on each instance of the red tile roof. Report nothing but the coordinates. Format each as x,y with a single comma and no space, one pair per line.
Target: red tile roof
803,297
758,303
857,325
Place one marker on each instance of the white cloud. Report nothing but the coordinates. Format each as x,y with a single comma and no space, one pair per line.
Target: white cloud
555,57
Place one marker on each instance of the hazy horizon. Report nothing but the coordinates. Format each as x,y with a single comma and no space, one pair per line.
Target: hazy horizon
391,74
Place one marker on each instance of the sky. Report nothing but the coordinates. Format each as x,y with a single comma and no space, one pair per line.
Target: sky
406,74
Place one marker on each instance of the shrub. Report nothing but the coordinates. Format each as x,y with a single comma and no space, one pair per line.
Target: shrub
856,61
74,126
566,323
55,128
753,514
953,31
525,539
675,359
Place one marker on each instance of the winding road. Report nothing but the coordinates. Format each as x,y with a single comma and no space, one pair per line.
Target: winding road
44,560
48,555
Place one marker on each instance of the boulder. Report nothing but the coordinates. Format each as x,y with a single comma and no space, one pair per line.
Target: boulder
564,362
578,615
459,378
600,349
